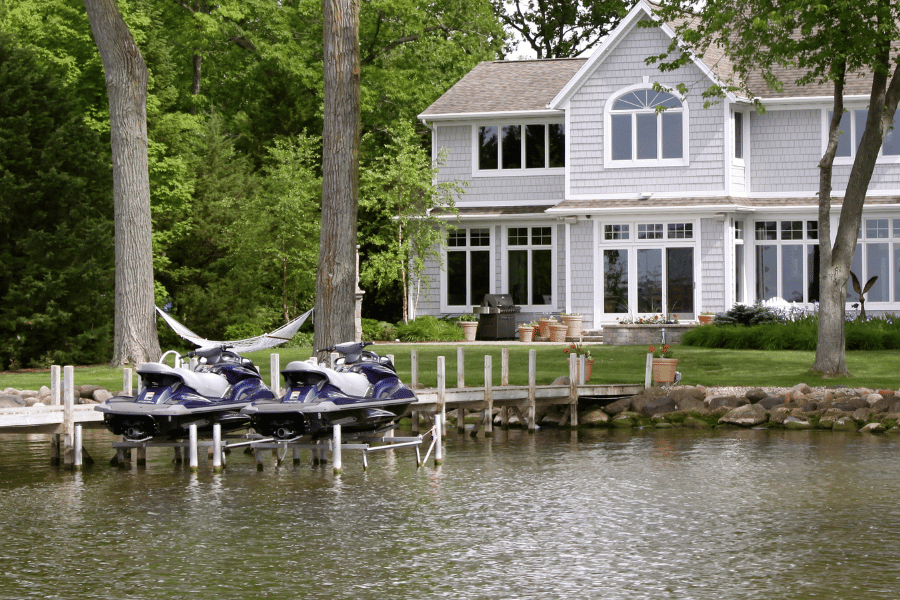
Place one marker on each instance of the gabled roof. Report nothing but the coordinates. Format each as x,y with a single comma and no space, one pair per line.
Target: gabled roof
498,87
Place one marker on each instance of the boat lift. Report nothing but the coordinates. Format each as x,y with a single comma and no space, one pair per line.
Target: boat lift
365,441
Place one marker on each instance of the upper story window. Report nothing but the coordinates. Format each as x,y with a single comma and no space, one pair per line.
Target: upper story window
518,148
641,135
853,124
739,136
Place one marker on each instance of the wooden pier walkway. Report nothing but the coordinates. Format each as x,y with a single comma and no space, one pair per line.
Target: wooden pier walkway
527,403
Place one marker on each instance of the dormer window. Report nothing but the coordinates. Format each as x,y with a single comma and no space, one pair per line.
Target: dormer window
645,128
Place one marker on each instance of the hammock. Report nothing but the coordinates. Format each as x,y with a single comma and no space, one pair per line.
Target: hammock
260,342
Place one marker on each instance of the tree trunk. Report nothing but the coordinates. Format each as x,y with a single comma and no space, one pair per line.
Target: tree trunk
835,259
336,275
135,338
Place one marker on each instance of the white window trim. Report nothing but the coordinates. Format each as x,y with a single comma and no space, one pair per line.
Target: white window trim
750,248
633,244
609,163
504,266
744,119
520,172
848,160
467,308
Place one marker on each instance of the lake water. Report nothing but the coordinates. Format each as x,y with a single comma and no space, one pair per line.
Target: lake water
722,514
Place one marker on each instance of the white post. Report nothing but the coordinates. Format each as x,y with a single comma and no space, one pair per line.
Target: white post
648,371
460,367
336,449
77,464
68,415
217,446
438,440
504,366
55,392
127,381
531,410
442,389
275,373
414,369
193,462
488,396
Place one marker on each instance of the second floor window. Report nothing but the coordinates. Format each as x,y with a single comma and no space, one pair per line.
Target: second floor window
853,123
519,147
640,133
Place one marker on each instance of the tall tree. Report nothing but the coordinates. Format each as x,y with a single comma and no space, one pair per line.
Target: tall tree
336,274
135,338
401,198
830,43
561,28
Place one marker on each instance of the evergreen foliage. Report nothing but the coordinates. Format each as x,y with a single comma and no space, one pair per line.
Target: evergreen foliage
56,221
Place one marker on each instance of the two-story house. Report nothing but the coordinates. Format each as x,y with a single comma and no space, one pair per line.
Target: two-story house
584,198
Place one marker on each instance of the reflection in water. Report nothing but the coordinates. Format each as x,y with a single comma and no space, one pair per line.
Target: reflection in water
556,514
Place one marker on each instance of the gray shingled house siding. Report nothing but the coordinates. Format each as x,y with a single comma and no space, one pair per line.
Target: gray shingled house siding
623,68
712,266
785,149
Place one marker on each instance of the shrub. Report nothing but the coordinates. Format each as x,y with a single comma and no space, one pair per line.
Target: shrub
374,330
430,329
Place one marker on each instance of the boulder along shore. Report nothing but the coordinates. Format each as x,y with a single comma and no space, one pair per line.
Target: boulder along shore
800,407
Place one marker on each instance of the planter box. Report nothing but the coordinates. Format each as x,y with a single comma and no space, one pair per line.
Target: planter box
643,335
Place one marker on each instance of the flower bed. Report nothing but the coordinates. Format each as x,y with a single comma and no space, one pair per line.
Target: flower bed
618,334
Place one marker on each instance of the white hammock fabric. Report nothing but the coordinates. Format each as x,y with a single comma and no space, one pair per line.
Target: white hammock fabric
260,342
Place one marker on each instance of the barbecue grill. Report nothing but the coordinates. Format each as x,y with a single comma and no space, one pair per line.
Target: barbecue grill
498,317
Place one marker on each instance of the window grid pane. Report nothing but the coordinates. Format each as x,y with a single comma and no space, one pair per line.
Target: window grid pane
650,231
812,230
681,231
877,228
792,230
767,230
480,237
517,236
616,232
540,236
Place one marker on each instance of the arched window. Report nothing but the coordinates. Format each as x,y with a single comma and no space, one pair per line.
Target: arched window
640,133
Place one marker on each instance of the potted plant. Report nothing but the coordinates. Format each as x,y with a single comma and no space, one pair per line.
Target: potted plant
469,323
664,364
526,332
558,331
544,323
578,350
706,317
574,324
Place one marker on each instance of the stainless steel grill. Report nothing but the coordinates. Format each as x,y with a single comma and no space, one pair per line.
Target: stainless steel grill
498,317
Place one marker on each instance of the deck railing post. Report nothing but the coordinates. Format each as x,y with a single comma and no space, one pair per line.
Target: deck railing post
574,377
442,391
532,391
275,373
460,367
504,366
55,395
488,396
68,416
127,381
414,382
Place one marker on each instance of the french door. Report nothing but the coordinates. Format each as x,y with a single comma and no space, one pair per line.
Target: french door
646,281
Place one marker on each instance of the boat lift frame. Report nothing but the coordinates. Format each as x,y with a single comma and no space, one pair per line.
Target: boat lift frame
359,441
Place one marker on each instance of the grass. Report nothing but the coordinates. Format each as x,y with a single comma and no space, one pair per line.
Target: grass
612,365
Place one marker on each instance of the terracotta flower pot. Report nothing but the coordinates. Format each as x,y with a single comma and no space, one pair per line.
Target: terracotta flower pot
705,318
664,370
558,332
469,329
526,333
544,325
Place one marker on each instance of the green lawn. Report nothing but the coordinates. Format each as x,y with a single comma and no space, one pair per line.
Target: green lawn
612,364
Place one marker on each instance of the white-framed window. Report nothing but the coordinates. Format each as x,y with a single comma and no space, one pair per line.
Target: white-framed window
853,124
530,260
519,148
877,255
648,268
645,128
468,270
738,122
787,259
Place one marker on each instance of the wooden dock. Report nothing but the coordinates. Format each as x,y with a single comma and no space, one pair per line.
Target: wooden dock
63,419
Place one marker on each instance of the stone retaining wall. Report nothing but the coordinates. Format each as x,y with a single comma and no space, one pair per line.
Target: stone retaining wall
639,335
